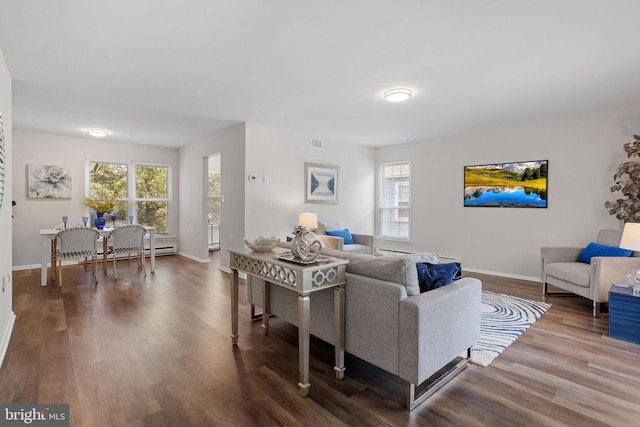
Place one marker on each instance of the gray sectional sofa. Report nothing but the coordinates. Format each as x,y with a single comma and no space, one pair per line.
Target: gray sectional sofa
389,323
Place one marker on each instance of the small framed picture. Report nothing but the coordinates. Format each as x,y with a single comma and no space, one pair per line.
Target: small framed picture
320,183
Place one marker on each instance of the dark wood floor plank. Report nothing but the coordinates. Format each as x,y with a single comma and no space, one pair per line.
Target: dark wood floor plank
156,351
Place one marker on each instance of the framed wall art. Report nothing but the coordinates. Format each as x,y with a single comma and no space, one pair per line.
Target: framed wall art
48,182
507,185
320,183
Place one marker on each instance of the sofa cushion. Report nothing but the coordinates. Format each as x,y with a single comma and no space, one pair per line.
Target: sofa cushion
572,272
432,276
596,249
345,234
396,269
357,249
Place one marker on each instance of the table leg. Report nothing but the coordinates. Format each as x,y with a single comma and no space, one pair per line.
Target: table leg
338,321
152,249
234,306
44,259
304,322
266,306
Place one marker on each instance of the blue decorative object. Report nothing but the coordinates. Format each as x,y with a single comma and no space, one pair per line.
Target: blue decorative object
345,234
113,219
596,249
99,221
432,276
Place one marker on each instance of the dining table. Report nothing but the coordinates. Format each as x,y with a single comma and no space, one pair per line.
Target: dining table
48,250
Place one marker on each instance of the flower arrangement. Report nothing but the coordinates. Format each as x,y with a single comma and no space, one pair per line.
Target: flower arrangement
100,206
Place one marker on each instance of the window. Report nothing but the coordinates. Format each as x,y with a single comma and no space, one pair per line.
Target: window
394,204
140,190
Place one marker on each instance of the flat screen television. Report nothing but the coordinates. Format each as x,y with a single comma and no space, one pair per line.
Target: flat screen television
507,185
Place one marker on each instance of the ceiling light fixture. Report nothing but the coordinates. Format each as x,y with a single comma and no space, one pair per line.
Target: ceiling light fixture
397,95
98,132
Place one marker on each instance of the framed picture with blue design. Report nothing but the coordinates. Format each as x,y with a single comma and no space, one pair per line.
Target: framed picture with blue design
320,183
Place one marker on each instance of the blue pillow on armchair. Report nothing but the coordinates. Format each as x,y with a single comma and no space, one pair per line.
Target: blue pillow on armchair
596,249
432,276
345,234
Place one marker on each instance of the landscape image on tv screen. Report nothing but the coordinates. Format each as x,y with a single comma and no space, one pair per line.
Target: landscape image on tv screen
513,185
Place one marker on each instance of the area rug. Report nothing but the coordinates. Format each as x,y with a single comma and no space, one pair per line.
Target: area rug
503,319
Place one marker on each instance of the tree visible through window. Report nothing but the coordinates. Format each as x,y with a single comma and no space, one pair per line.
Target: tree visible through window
394,204
141,191
152,197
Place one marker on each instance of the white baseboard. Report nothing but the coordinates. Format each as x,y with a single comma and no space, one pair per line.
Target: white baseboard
241,274
6,337
194,258
499,274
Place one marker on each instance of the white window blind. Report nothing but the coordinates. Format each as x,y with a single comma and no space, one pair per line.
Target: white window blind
394,204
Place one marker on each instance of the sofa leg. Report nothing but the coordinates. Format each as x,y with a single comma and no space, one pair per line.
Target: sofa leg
600,309
414,400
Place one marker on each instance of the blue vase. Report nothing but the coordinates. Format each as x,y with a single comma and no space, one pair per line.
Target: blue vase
100,221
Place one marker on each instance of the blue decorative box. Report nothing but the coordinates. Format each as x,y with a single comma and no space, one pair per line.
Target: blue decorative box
624,314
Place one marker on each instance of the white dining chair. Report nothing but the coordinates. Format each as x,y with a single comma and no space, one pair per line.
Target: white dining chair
76,243
128,240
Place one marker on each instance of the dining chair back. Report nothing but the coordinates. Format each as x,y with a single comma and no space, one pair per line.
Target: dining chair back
76,243
128,239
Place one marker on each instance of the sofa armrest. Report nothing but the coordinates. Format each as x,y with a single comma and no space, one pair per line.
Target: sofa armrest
437,326
605,271
363,239
332,242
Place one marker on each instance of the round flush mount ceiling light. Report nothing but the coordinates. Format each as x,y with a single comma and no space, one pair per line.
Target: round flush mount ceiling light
397,95
98,132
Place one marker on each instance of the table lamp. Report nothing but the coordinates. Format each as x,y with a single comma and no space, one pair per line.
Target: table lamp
310,220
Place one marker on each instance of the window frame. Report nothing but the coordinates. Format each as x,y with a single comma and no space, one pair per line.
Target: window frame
397,199
132,198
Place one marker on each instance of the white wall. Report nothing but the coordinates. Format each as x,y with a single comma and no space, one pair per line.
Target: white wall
583,152
193,166
31,215
272,207
7,317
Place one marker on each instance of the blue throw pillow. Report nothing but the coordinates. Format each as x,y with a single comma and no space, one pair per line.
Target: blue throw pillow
432,276
345,234
596,249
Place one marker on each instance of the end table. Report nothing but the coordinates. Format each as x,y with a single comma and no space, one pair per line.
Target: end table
624,314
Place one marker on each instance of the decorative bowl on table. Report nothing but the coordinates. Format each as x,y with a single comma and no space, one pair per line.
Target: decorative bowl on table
262,244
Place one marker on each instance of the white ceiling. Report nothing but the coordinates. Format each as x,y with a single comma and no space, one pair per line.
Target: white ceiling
168,72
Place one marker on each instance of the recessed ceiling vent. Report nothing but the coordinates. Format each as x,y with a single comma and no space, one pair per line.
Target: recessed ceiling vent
316,143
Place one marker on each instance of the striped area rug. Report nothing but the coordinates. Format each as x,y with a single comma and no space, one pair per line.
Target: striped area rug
504,318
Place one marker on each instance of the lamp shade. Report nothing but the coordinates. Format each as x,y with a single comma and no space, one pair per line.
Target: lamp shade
308,220
631,236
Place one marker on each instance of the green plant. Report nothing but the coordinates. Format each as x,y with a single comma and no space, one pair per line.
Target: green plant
627,182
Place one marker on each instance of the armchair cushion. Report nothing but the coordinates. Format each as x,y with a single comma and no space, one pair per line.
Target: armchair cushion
345,234
596,249
572,272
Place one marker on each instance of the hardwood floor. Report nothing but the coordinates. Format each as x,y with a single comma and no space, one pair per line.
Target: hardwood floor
156,351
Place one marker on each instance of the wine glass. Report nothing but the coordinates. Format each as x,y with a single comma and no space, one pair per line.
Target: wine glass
85,219
130,219
64,221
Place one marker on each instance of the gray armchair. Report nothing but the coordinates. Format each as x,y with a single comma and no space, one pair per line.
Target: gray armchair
362,243
560,268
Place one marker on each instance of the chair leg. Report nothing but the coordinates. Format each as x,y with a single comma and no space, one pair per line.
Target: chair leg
95,267
115,271
144,264
60,273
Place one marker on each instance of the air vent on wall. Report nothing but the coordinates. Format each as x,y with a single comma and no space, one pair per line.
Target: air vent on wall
316,143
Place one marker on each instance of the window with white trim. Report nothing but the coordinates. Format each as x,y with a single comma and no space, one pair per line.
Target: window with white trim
140,190
394,201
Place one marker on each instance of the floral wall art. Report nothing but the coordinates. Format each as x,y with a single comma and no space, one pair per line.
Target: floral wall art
48,182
